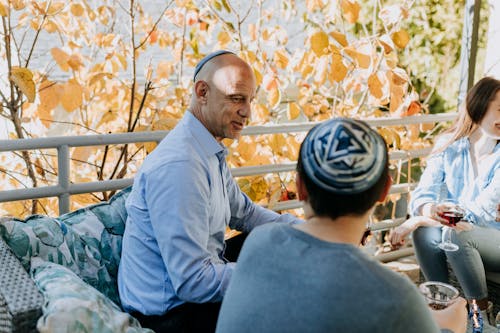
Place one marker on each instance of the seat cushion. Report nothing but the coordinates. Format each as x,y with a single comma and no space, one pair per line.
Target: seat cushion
87,241
72,305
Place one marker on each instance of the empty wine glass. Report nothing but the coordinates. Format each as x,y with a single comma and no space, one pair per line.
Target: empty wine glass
452,213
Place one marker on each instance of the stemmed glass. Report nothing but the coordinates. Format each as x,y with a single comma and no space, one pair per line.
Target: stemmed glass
452,213
438,294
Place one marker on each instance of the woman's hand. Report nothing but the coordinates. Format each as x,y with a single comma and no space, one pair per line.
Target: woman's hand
398,235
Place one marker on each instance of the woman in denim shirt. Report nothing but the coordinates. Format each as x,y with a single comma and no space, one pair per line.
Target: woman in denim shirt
465,167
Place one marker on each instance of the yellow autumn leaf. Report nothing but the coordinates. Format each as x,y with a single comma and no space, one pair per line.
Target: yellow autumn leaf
23,78
350,10
107,117
399,76
375,86
397,97
75,62
339,37
363,60
72,96
3,10
55,7
224,38
313,5
258,188
400,38
164,124
246,149
50,95
77,9
293,110
281,59
390,136
61,58
338,70
277,142
50,26
258,76
386,43
18,4
99,78
274,97
320,43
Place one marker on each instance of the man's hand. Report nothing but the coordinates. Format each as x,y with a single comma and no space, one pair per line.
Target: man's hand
454,317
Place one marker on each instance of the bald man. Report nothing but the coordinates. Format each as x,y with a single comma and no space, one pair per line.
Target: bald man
173,272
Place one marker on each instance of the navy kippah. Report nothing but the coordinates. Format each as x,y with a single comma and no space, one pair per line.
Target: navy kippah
344,156
206,59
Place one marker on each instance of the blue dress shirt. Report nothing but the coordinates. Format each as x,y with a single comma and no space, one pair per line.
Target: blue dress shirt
182,200
449,174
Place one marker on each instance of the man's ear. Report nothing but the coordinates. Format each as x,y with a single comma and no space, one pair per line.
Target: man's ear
387,187
301,188
201,90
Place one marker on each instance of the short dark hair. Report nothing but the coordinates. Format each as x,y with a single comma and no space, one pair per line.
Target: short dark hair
334,205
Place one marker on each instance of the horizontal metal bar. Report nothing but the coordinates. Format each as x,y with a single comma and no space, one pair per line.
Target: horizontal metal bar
82,140
133,137
375,122
54,191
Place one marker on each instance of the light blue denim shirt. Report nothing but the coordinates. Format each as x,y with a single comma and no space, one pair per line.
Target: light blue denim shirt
449,175
182,200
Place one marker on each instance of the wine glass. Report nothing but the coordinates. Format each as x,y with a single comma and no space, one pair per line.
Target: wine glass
452,213
438,294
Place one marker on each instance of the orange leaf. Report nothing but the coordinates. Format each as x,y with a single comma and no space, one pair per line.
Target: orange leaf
23,78
350,10
3,11
338,70
386,43
375,86
319,43
77,9
339,37
61,58
72,97
363,60
224,38
75,62
50,26
293,110
401,38
50,94
399,76
281,59
274,97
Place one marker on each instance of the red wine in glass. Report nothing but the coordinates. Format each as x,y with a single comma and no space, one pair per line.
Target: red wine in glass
451,216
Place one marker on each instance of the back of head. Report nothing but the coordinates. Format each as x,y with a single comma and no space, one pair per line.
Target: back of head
344,166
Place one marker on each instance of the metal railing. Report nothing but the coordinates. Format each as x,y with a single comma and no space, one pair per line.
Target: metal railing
65,188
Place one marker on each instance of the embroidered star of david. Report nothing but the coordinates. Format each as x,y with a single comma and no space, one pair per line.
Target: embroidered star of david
346,146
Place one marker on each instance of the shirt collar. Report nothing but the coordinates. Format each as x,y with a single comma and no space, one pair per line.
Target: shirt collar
204,138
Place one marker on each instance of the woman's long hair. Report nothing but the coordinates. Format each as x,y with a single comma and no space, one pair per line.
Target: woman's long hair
478,99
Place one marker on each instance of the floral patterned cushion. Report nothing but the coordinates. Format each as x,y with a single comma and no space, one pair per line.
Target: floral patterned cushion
87,241
73,306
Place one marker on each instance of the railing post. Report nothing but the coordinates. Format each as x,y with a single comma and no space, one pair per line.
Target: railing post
63,177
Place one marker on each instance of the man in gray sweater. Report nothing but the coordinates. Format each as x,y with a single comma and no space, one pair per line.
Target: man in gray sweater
312,277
